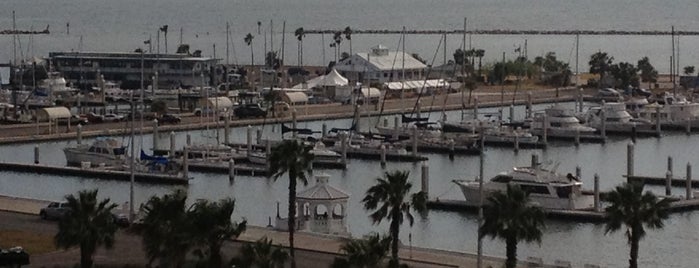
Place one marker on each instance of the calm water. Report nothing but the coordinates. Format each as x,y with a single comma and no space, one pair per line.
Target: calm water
123,25
577,242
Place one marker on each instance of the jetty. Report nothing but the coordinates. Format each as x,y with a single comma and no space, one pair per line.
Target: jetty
94,173
503,32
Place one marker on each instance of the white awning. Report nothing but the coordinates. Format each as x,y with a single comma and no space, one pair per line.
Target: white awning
52,113
219,103
417,84
371,92
292,97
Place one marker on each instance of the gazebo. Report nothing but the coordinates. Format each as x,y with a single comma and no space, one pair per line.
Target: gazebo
323,208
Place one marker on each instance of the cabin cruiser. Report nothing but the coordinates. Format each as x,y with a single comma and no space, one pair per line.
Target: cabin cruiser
558,121
102,152
424,129
508,134
677,112
546,188
613,117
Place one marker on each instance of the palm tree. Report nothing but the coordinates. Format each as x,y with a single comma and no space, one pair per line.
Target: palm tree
634,209
164,30
480,53
89,224
600,63
510,217
261,254
248,41
368,252
388,200
165,231
688,70
294,158
300,34
337,39
648,72
212,222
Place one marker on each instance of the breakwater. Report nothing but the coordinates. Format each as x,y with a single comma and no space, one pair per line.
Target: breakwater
506,32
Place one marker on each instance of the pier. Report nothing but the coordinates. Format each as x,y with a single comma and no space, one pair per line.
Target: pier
94,173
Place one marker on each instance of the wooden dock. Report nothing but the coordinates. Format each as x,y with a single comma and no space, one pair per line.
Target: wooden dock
675,181
443,148
94,173
511,144
223,168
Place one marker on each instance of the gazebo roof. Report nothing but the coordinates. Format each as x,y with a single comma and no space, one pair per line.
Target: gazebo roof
322,191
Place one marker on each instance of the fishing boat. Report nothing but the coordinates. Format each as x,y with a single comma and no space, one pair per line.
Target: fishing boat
546,188
102,152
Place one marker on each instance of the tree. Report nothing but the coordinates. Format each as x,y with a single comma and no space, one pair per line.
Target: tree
212,226
510,217
480,53
634,209
337,39
459,56
165,231
600,63
89,224
625,74
555,72
648,72
348,35
300,33
688,70
248,41
261,254
272,60
387,199
294,158
368,252
164,30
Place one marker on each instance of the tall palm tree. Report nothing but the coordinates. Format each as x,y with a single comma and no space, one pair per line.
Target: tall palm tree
368,252
165,231
261,254
388,200
294,158
212,225
300,33
634,209
510,217
89,224
248,41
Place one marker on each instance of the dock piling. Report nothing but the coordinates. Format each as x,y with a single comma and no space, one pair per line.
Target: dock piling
596,199
689,126
155,134
356,117
324,132
535,161
185,162
578,173
249,140
516,143
414,141
452,150
189,139
689,182
546,129
629,160
603,131
577,138
512,113
396,124
343,146
80,133
580,100
258,136
36,154
529,105
172,144
383,155
268,152
668,183
226,128
657,121
633,134
425,178
293,123
475,108
231,170
669,164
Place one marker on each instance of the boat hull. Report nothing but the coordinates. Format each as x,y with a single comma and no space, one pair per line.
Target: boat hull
472,195
75,157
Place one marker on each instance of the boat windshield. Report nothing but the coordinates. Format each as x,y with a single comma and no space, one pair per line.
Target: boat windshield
119,151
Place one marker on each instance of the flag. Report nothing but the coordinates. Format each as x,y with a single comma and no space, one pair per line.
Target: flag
518,49
146,42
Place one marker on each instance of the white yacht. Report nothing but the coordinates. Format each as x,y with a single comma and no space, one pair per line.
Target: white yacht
509,135
677,112
615,118
558,122
546,188
104,151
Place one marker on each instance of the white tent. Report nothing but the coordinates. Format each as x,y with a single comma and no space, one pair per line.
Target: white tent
218,103
417,84
371,92
52,113
332,79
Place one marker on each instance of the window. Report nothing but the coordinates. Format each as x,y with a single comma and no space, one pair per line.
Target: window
564,191
535,189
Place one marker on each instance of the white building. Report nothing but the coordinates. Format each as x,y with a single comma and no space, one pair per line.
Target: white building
381,65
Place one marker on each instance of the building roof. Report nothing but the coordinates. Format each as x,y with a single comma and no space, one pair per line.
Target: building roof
127,55
332,79
381,59
322,191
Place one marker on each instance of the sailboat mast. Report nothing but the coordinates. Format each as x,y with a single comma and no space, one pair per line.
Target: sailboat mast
141,103
402,87
281,64
672,62
502,85
228,58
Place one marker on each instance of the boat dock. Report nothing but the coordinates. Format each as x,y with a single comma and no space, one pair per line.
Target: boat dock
224,168
515,145
677,205
674,181
93,173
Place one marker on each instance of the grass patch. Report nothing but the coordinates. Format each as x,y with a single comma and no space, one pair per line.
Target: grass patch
32,243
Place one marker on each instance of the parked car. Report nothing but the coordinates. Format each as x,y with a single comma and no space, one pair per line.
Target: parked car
94,118
608,94
112,118
148,116
54,211
75,120
169,119
249,110
637,91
